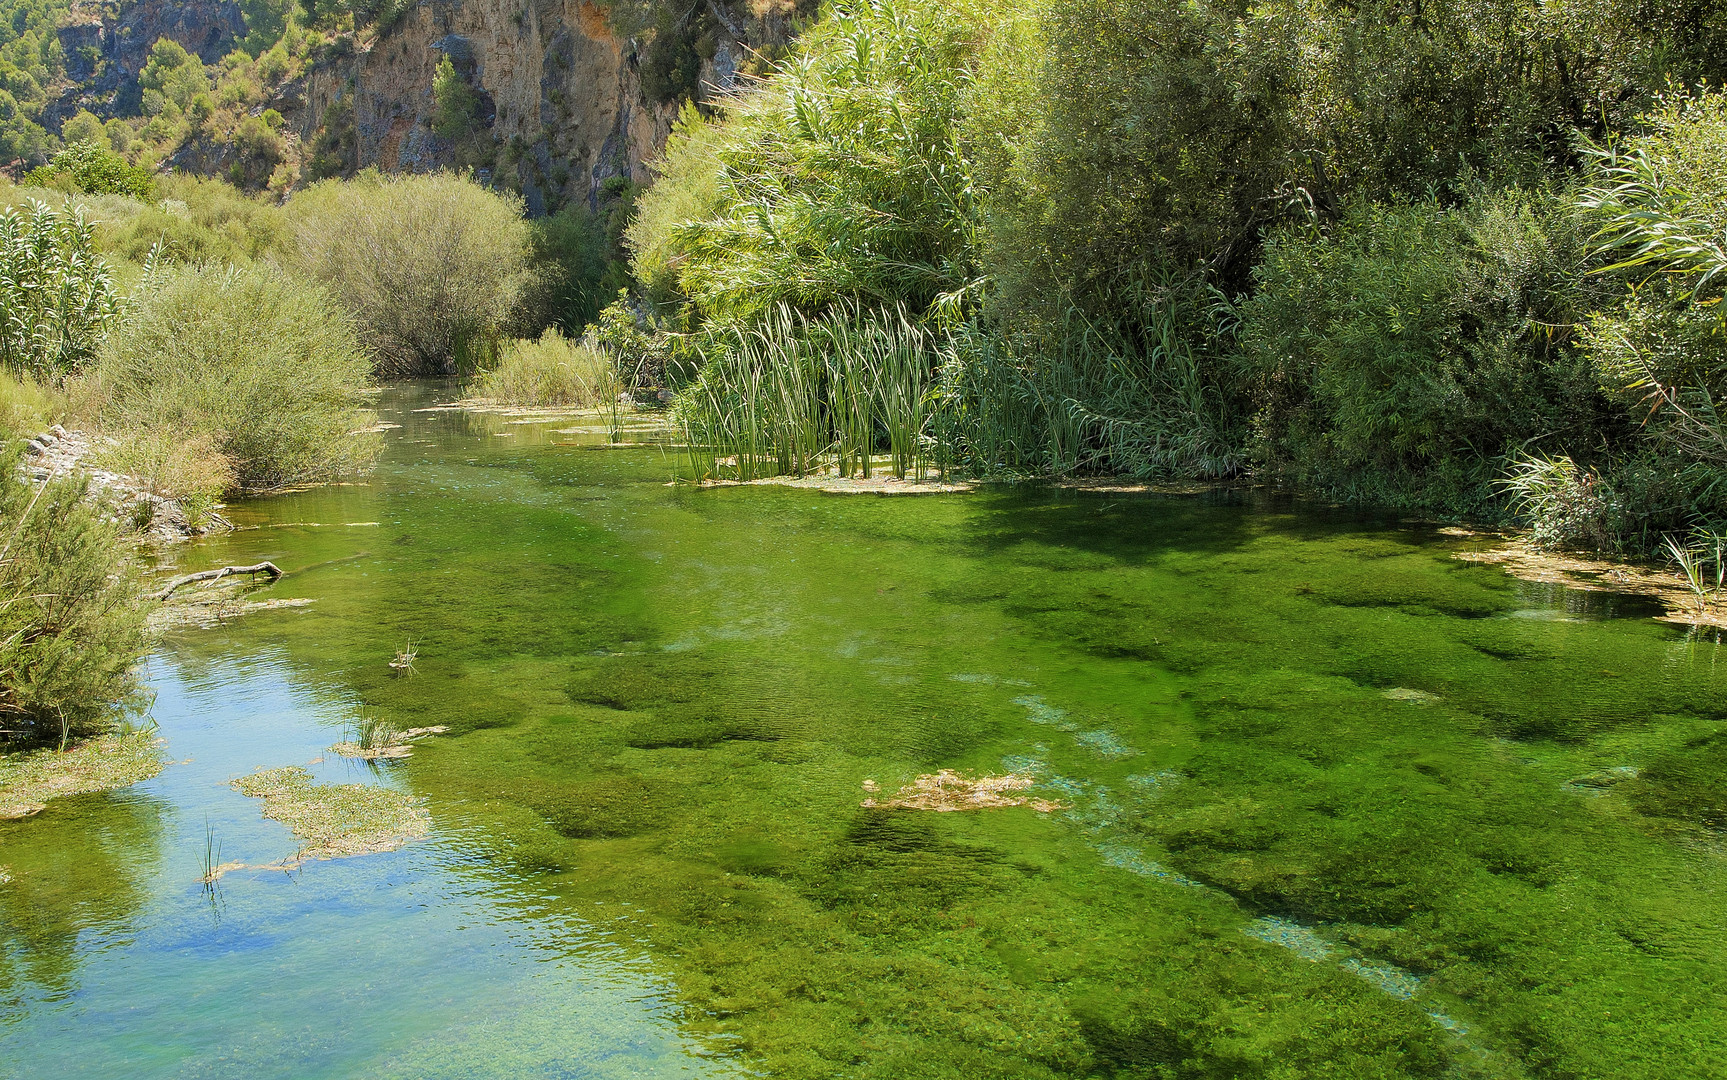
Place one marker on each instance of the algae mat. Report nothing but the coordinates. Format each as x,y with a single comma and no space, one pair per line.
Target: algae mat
1321,799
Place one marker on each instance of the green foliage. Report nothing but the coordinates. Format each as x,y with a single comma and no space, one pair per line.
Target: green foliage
258,149
431,266
175,74
578,263
198,220
1659,201
789,394
1402,352
57,296
266,21
94,169
71,621
84,128
457,105
841,179
1138,389
119,134
337,142
1566,507
672,62
262,364
26,407
551,371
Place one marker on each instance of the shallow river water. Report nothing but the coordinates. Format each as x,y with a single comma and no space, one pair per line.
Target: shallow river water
1330,801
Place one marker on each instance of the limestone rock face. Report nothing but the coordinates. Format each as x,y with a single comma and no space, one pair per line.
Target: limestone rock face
561,91
208,29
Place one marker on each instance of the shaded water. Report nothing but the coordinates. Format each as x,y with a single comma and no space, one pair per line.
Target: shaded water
1335,802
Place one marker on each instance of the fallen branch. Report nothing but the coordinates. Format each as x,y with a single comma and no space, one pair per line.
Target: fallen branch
215,575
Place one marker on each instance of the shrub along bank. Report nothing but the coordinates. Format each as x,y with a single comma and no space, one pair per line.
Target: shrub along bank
1396,256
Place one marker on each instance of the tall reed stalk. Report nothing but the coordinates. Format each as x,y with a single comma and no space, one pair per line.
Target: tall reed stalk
789,394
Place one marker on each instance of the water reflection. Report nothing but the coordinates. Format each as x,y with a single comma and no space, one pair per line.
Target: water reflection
425,962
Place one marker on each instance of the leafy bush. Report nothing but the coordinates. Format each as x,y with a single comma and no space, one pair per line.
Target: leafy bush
672,62
266,21
840,179
57,297
1115,135
174,73
71,625
551,371
262,364
1566,507
578,264
1661,201
431,266
1397,356
95,170
193,470
199,220
85,127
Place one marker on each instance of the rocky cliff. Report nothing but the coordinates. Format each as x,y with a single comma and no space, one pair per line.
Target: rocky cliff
566,100
562,91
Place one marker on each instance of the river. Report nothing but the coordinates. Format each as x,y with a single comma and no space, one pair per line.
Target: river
1319,798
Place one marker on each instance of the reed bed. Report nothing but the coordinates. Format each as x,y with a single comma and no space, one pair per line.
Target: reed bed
789,395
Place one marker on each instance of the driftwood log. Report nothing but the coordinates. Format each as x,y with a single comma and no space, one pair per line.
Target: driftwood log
214,575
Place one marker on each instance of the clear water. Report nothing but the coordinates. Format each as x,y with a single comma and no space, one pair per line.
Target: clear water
1335,802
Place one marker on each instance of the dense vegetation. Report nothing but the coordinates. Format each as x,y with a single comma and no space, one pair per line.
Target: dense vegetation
1465,263
1399,255
218,343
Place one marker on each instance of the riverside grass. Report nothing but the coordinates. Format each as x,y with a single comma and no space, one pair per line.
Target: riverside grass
551,371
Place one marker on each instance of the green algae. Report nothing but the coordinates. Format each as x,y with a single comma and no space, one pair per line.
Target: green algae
335,821
103,763
664,701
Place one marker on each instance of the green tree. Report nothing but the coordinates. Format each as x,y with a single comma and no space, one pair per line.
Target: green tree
457,105
84,128
266,20
840,179
96,170
71,620
174,73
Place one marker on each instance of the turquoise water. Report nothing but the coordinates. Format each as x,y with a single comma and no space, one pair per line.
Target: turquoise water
1331,802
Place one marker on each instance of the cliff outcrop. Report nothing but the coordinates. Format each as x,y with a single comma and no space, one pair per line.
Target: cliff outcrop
562,91
568,94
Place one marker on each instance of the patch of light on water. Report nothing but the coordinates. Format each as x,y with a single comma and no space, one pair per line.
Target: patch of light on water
1135,861
1301,940
1042,712
1154,783
1388,978
1104,743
